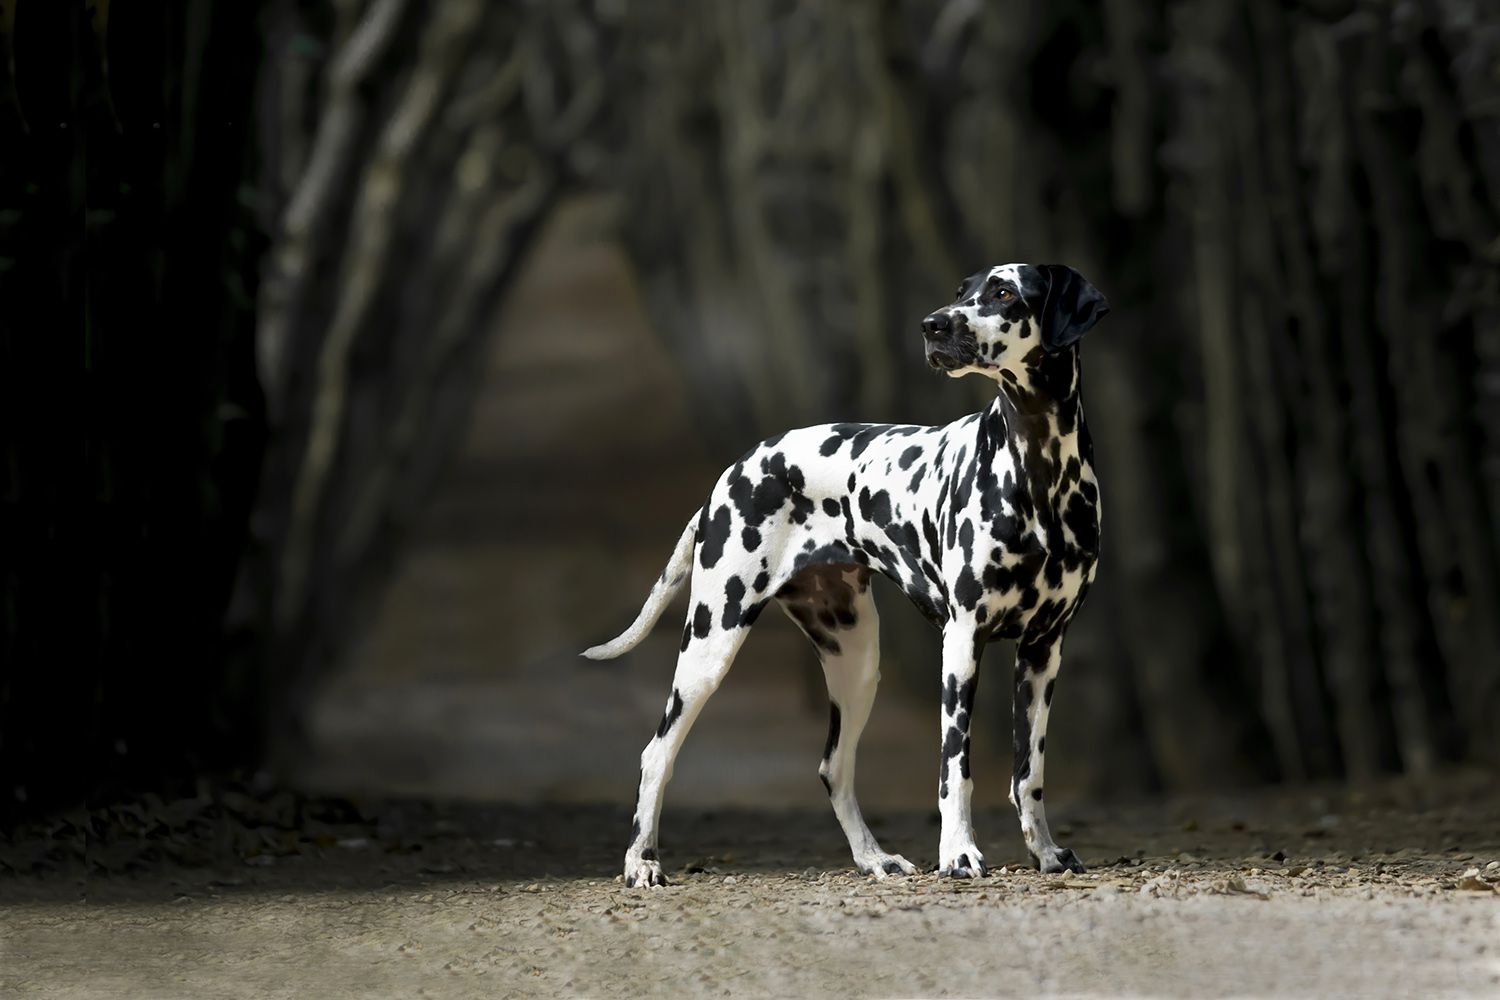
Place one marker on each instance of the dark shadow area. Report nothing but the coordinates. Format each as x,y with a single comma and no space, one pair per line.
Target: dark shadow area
232,842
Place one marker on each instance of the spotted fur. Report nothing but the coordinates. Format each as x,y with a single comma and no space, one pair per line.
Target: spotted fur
990,525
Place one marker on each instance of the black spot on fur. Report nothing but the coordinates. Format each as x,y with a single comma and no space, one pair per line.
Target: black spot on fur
966,694
687,635
635,830
751,539
802,508
834,724
712,534
762,581
827,787
930,532
831,507
967,589
909,456
753,612
1082,519
875,508
866,434
1036,794
1021,724
953,742
1047,694
702,619
734,593
1041,745
966,539
670,716
648,854
758,502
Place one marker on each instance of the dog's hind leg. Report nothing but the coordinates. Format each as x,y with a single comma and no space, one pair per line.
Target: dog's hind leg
833,606
707,652
1037,663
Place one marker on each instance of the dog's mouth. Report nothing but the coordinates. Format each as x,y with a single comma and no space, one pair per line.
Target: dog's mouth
950,358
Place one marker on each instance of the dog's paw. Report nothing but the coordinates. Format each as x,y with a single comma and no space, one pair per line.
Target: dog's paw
640,872
883,865
1057,859
968,864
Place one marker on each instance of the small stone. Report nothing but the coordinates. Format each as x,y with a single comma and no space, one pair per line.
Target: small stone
1492,866
1471,880
730,880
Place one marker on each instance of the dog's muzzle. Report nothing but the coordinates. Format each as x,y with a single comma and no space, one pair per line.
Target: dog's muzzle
949,346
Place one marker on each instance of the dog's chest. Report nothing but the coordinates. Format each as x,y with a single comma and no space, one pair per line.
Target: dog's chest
1024,535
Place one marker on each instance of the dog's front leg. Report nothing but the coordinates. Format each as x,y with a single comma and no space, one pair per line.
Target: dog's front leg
1037,663
958,855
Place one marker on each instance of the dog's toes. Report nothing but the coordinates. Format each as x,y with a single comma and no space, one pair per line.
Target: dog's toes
966,865
897,865
643,873
884,865
1061,860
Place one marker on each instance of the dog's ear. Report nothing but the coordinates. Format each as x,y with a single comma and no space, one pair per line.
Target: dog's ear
1070,308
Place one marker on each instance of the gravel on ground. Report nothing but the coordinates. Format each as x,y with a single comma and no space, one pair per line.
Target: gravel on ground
1392,890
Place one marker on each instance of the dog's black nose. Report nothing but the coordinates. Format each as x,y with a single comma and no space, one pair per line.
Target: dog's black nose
936,325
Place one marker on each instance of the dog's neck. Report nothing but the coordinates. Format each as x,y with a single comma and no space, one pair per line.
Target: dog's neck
1039,404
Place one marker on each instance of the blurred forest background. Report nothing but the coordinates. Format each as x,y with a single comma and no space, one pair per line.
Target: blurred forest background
287,232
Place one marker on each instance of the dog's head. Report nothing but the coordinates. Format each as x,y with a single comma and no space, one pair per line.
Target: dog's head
1009,318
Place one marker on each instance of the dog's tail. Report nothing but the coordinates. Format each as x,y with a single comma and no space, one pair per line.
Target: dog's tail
667,585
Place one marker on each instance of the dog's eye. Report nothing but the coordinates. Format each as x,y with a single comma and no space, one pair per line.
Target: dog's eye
1004,294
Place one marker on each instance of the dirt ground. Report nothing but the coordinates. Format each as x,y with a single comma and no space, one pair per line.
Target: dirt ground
1388,891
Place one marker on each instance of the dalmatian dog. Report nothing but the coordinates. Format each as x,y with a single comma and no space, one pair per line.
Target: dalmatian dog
990,525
